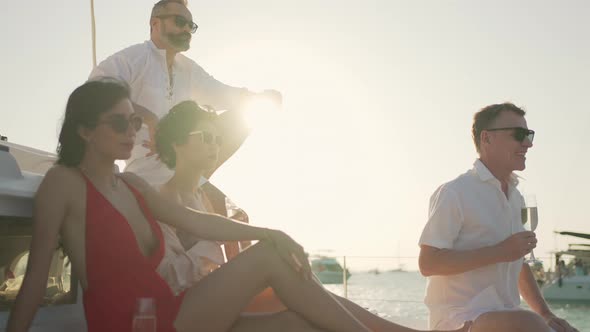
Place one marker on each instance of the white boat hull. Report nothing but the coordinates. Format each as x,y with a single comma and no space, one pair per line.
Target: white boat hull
331,277
575,288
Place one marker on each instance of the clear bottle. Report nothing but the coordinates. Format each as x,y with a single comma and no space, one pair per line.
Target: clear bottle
144,318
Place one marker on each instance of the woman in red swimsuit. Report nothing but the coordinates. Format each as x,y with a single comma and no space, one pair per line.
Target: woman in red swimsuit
106,223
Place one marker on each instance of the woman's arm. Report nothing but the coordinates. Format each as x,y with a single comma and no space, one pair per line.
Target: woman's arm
200,224
215,227
49,212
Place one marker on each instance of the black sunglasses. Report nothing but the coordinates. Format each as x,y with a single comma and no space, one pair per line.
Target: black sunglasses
519,133
207,137
119,123
181,22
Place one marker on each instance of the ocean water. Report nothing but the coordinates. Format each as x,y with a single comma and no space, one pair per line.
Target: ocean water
398,296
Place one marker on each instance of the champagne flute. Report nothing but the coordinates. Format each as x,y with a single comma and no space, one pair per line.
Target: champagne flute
236,213
144,319
530,220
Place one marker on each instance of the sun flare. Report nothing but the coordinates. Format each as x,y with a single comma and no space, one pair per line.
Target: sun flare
258,111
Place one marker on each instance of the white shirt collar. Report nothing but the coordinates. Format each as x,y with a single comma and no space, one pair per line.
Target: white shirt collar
485,175
153,47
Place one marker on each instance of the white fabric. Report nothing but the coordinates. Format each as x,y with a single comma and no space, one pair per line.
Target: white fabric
143,66
468,213
182,269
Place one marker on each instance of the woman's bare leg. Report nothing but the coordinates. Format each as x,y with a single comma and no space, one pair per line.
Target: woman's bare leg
286,321
215,303
510,321
374,322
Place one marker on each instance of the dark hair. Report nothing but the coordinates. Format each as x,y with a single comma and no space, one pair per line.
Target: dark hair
175,126
486,116
84,107
161,5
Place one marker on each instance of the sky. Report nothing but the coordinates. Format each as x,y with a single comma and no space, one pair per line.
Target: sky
379,97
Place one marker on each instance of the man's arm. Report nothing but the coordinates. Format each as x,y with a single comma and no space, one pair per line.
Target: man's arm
233,128
530,292
207,91
435,261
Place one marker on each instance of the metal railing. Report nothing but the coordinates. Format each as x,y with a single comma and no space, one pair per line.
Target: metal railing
548,266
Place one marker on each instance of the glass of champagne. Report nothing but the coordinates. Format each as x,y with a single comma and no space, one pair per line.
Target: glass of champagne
530,220
144,319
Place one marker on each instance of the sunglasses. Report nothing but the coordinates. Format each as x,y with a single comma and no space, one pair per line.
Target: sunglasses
207,137
519,133
119,123
180,21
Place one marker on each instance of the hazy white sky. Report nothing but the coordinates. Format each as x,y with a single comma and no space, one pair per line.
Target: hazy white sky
379,97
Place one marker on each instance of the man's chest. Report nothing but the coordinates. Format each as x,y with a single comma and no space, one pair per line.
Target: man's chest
489,218
159,90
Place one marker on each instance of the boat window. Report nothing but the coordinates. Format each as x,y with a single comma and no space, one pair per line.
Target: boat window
15,240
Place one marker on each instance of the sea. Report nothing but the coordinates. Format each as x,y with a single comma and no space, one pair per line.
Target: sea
398,296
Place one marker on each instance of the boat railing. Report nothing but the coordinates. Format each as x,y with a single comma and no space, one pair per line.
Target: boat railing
382,263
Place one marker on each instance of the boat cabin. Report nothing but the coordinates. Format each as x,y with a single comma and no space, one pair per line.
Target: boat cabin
21,172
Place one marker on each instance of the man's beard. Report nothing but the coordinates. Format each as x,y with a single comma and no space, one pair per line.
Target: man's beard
180,41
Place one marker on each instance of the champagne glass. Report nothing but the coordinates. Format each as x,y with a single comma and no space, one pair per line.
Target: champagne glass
236,213
231,208
144,319
530,220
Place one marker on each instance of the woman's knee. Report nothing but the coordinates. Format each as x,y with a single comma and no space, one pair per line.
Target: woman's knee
263,254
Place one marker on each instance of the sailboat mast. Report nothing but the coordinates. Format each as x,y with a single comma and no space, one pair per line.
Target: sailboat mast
93,28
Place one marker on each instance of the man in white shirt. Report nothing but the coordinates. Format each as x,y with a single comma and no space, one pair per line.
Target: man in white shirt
161,77
473,245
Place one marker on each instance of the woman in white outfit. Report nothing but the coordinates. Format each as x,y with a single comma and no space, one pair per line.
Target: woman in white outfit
188,141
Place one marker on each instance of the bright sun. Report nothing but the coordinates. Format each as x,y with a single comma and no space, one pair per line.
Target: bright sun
258,111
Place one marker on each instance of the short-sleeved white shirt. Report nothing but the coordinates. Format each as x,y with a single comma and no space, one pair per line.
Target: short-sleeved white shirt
471,212
143,66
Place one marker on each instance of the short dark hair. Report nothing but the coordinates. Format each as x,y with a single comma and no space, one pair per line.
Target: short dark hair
84,107
486,116
175,126
161,5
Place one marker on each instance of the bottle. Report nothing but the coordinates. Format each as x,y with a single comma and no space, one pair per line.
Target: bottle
144,319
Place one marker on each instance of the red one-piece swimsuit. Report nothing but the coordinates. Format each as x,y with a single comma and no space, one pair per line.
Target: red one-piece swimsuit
117,271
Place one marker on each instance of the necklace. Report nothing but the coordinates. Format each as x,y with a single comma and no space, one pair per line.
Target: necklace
170,87
114,178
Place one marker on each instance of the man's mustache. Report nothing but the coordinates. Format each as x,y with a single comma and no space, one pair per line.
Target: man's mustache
180,37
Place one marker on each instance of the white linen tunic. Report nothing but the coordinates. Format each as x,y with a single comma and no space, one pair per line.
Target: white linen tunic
143,66
469,213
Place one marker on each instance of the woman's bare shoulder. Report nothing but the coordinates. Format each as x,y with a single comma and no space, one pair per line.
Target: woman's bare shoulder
63,173
62,179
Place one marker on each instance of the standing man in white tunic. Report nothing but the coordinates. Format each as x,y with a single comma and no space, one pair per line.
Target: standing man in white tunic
161,77
473,245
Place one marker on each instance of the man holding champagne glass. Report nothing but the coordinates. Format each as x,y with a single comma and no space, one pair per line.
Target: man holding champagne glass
474,242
